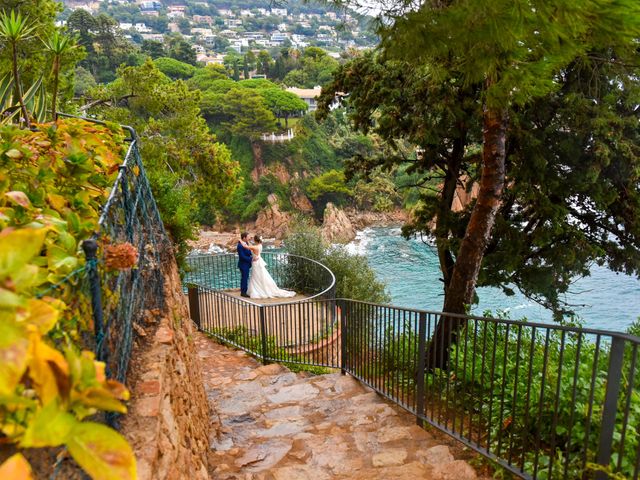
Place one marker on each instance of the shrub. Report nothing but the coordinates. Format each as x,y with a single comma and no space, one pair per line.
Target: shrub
53,185
355,279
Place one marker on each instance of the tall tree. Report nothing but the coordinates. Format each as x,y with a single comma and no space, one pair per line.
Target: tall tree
42,14
246,114
192,175
103,42
283,104
180,49
153,48
15,29
512,52
58,45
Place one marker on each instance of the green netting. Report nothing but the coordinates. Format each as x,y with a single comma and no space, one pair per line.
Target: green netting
130,215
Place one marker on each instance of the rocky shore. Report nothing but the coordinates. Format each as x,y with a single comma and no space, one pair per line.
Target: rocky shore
338,226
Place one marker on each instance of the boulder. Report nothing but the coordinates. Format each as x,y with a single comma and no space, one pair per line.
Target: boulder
271,221
300,201
336,226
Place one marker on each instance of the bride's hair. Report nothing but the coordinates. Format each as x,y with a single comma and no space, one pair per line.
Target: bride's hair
257,239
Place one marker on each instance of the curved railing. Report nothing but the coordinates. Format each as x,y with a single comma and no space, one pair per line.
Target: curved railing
291,272
298,330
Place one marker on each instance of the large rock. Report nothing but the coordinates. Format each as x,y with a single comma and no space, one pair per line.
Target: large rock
273,222
300,201
336,226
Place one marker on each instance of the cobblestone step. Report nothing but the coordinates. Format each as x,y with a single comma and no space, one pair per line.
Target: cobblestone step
273,424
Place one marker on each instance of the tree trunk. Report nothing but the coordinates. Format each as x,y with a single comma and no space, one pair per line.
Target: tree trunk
461,288
18,87
54,96
452,174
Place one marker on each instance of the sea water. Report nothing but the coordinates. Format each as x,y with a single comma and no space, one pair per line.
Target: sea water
410,270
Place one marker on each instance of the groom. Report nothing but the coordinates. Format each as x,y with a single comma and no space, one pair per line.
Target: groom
244,264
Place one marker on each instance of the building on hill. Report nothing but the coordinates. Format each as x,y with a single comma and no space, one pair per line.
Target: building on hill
202,19
156,37
281,12
176,11
150,6
310,96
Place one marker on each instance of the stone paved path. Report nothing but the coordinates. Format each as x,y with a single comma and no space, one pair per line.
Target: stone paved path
277,425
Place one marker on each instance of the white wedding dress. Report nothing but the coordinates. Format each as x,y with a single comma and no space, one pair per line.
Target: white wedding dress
261,285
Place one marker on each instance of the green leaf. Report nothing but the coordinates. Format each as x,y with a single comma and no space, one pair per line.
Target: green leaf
60,260
49,427
13,259
102,452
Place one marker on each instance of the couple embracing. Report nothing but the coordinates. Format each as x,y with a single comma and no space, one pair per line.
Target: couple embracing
260,285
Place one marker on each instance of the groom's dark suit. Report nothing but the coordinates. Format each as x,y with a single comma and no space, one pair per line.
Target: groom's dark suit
244,264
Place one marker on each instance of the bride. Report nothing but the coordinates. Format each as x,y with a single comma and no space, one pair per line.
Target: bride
261,285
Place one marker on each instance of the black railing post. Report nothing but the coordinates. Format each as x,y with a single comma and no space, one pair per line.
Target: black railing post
263,335
614,377
422,347
194,305
341,305
90,247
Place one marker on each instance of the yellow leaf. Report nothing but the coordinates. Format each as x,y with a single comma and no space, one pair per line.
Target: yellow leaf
48,370
102,452
14,349
18,198
58,202
102,399
13,259
41,315
16,468
49,427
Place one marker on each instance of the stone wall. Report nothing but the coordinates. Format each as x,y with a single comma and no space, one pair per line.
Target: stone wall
169,420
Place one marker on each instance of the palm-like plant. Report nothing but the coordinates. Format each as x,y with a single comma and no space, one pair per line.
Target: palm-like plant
58,44
14,28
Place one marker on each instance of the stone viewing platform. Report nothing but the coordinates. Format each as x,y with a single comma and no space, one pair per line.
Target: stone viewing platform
272,424
266,301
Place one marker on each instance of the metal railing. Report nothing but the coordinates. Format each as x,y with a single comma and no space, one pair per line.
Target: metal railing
291,272
286,332
544,401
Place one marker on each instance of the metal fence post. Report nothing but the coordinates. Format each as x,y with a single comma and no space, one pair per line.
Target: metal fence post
90,247
263,334
614,377
341,304
422,347
194,305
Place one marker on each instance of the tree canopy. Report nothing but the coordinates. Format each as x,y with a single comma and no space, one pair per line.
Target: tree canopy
462,80
192,174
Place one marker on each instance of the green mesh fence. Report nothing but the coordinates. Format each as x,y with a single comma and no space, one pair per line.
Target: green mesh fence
127,296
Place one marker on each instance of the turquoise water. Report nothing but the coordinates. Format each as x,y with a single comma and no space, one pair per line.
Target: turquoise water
410,269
